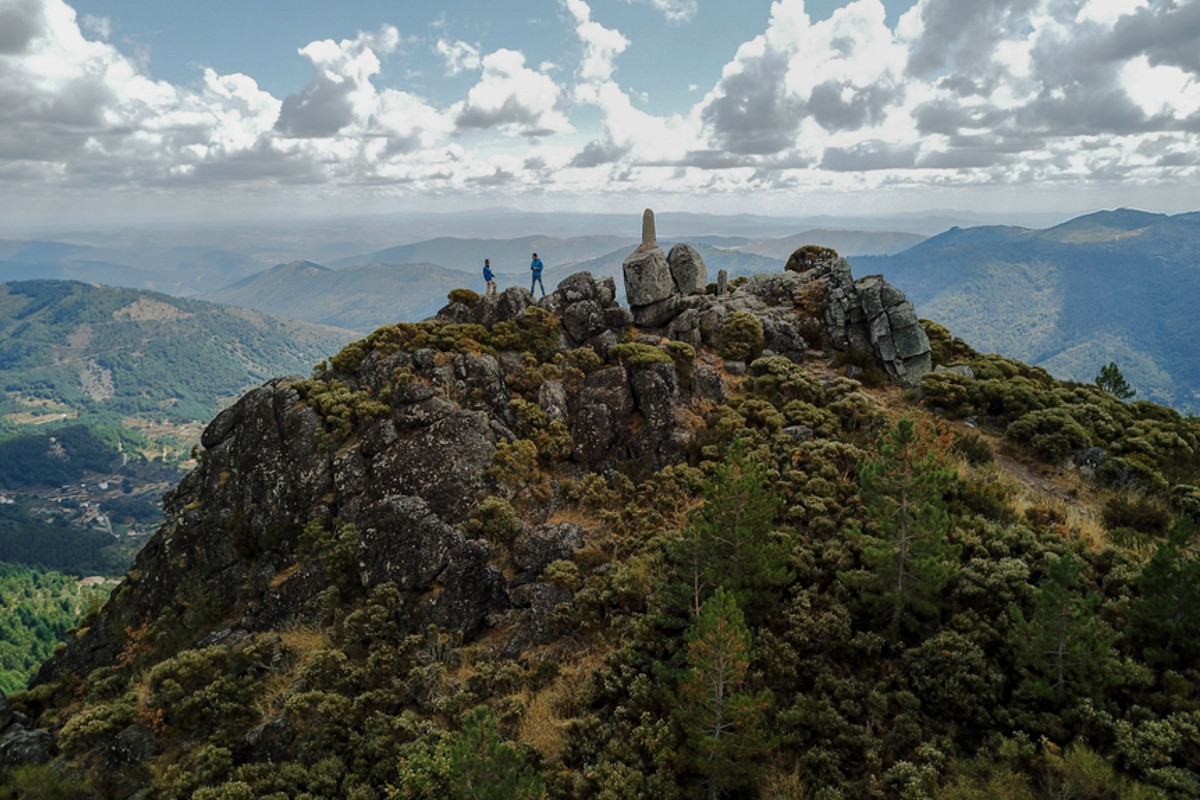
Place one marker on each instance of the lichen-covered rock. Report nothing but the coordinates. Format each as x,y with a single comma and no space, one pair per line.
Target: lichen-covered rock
656,392
687,269
538,547
583,320
552,398
502,307
594,433
20,746
657,314
647,277
444,463
868,314
609,387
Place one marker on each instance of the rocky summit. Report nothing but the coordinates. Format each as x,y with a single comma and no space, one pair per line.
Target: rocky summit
428,423
739,539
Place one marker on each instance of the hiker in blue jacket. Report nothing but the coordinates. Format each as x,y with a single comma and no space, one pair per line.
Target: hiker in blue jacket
536,268
489,277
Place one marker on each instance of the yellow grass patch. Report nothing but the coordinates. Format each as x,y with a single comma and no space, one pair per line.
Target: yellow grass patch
282,576
549,712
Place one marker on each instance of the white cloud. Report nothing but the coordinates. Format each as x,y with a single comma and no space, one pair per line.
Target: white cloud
1107,12
459,56
673,10
601,45
843,73
513,98
630,134
960,92
341,94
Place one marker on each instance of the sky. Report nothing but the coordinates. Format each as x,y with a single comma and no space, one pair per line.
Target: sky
132,111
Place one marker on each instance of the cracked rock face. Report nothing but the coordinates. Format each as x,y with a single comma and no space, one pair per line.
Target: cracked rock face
870,313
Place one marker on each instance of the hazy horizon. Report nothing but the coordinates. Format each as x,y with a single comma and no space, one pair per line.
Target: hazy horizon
137,113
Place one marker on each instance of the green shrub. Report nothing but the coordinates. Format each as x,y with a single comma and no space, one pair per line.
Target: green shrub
40,782
1052,433
515,464
781,381
806,257
563,574
349,357
495,521
584,359
973,448
340,407
946,349
1137,511
1134,471
741,337
956,394
636,354
467,297
684,357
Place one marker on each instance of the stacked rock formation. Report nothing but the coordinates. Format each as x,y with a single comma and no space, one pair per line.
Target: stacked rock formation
667,293
656,284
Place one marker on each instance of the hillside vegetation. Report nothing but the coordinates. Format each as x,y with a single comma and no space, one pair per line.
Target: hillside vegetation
1110,286
133,360
772,581
39,609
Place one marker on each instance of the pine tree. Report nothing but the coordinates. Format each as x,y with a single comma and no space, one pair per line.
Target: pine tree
1164,622
723,725
1112,381
906,560
729,541
1063,646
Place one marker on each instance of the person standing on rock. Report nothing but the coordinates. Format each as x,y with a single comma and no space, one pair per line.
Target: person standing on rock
489,277
536,268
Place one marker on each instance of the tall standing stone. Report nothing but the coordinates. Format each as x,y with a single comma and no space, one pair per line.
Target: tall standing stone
647,274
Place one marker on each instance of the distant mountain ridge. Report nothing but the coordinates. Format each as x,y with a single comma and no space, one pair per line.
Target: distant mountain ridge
358,298
506,254
1110,286
181,271
367,296
104,355
846,242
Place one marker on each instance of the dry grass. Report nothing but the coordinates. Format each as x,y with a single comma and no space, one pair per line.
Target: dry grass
282,576
776,785
301,642
1072,520
549,712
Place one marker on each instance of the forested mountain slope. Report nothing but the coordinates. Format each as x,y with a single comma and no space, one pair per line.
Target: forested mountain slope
525,550
133,359
1111,286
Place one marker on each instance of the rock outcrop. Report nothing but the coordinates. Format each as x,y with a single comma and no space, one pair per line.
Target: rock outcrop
378,462
869,314
657,284
369,474
20,744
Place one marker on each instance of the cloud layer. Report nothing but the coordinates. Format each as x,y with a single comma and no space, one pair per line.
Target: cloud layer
1080,94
